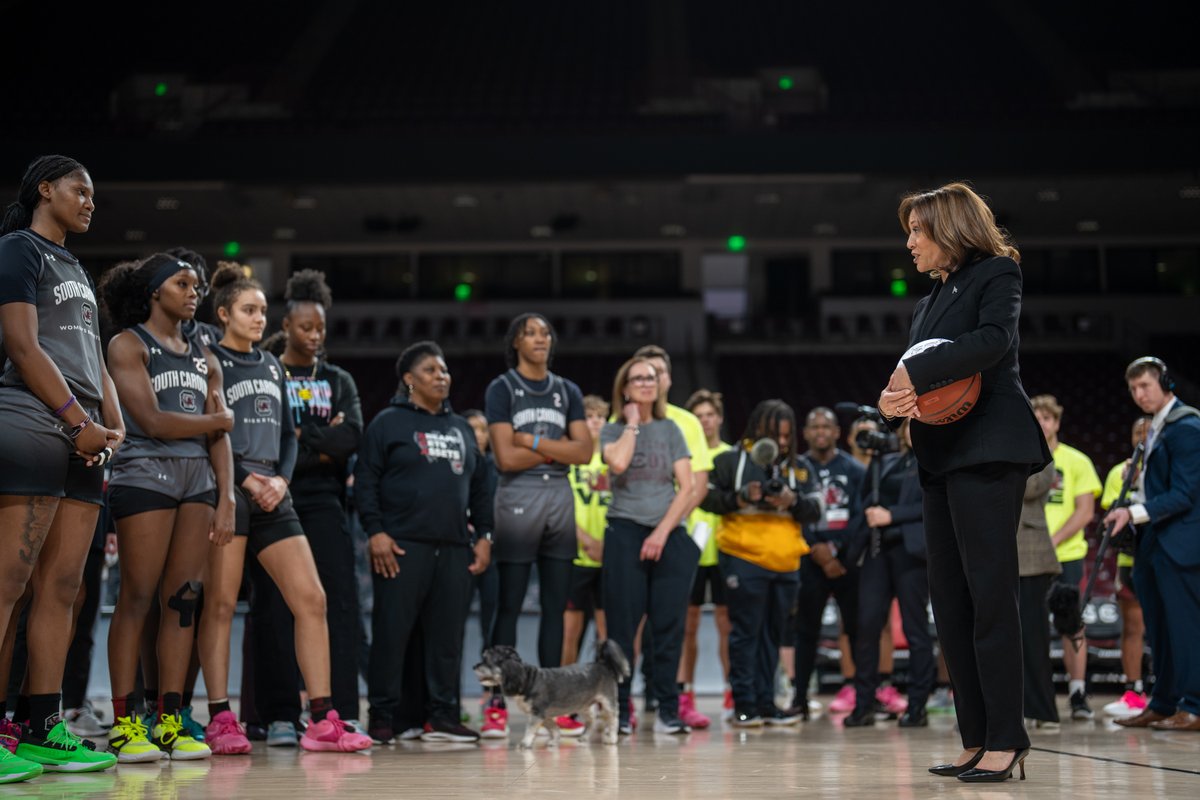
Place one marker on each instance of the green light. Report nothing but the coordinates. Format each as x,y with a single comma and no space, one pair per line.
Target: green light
736,243
232,249
786,82
462,292
160,89
900,288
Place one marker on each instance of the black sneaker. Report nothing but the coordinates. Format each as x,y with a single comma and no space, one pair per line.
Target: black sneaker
777,716
860,718
746,718
256,732
669,724
381,731
1080,710
914,718
444,730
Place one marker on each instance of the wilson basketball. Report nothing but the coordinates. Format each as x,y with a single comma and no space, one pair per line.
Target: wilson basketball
948,403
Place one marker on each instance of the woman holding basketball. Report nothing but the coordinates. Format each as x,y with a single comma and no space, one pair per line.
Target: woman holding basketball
973,470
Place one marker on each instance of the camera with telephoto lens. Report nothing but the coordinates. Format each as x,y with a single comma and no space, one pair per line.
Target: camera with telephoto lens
773,485
877,442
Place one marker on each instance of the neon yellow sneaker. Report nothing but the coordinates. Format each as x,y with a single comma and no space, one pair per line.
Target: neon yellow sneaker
172,738
62,751
127,740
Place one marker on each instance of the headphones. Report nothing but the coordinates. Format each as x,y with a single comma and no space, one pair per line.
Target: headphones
1164,379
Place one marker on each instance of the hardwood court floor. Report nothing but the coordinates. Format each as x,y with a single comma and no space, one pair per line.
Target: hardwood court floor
816,759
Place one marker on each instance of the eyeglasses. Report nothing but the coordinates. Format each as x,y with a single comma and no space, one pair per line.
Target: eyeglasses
641,379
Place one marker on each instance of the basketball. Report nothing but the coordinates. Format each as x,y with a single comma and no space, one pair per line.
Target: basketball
948,403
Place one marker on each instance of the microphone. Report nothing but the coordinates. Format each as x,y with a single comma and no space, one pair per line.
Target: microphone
764,452
855,408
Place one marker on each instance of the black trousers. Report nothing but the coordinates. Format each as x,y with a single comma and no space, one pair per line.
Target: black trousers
487,585
815,588
433,590
277,679
1035,648
554,584
893,573
758,601
971,519
634,588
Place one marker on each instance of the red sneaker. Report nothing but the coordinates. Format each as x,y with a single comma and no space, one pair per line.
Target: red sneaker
727,706
569,725
495,723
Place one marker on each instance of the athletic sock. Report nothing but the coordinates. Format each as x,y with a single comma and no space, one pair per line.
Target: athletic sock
187,700
1137,687
123,706
171,703
217,706
22,710
1077,686
43,712
320,707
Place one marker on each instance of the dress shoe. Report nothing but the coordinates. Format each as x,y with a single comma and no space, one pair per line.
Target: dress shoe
1142,720
860,718
996,775
1182,721
913,718
954,770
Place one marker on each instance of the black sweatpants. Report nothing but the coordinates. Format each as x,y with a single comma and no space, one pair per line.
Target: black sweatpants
278,677
434,589
554,584
759,601
815,589
634,588
893,573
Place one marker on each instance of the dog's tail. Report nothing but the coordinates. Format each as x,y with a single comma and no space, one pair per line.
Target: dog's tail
609,653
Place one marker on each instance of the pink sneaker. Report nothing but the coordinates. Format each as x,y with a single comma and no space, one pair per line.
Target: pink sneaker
844,702
333,735
10,734
727,706
569,726
225,736
688,714
892,701
495,723
1130,705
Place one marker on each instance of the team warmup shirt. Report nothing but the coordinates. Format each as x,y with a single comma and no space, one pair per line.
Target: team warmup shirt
544,408
37,271
180,384
204,333
264,436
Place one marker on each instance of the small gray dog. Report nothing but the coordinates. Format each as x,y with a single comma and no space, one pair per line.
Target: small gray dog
549,693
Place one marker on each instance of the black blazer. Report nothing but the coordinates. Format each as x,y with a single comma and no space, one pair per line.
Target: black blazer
977,309
907,512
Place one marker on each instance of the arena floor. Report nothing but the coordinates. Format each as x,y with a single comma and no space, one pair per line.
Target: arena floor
815,759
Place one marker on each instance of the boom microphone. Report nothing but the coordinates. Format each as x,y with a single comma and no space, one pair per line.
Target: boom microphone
855,408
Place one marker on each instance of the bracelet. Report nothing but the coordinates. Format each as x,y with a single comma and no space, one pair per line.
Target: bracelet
64,406
634,428
536,438
73,434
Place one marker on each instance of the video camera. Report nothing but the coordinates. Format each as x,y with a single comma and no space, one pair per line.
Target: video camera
765,453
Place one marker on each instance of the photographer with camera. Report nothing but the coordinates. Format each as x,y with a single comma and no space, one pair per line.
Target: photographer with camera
837,477
757,489
893,567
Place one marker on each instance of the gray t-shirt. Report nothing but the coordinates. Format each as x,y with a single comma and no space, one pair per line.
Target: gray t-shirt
37,271
644,492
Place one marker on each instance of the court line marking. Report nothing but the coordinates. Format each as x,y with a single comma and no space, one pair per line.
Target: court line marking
1115,761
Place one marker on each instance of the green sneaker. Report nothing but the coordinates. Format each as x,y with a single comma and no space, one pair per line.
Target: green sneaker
63,751
172,738
13,768
127,741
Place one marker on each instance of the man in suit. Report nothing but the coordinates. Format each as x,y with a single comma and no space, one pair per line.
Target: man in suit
1166,572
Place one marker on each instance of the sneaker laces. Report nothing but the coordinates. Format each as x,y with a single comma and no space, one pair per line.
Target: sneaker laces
172,727
60,736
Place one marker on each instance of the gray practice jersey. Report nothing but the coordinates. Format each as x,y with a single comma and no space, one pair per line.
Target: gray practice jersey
546,411
254,391
37,271
180,383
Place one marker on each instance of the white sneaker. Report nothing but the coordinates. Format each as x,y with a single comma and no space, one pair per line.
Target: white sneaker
84,723
1129,705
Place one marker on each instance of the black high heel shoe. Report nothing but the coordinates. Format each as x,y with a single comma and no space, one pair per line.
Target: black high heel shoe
954,770
997,775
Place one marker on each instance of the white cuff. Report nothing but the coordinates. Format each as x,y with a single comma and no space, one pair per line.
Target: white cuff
1137,512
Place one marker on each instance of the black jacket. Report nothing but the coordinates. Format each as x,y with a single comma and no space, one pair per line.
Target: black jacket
418,474
723,487
977,309
318,437
907,511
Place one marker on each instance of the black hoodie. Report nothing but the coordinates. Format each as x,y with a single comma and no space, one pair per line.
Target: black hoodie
418,474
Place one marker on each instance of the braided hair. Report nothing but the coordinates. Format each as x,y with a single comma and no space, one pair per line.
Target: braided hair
19,214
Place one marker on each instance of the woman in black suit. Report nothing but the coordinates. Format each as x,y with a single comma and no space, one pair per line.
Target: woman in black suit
973,470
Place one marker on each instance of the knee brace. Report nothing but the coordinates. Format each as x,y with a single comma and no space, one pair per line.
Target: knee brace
185,601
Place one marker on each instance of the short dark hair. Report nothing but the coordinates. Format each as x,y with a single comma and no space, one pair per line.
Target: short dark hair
471,413
714,399
418,351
